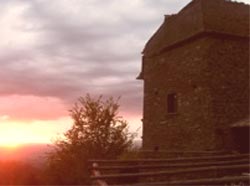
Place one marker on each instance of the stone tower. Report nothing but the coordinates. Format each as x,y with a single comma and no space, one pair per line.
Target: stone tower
195,70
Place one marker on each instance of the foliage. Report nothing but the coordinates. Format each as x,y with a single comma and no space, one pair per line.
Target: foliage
132,153
98,132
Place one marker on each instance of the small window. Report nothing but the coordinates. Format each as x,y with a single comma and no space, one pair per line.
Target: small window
156,92
172,103
156,148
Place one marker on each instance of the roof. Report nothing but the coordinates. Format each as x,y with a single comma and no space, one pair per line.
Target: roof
200,16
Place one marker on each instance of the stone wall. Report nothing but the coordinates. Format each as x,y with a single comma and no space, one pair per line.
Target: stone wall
210,76
184,71
226,17
228,60
202,55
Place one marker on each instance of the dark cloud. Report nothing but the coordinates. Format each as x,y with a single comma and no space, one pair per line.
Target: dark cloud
65,49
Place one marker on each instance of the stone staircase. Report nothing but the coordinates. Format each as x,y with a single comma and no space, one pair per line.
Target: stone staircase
206,169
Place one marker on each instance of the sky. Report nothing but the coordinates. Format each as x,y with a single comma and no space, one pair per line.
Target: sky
54,51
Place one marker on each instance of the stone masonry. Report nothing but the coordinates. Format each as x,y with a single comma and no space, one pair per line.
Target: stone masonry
201,56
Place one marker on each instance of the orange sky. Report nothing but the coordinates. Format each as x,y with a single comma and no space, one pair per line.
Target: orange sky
31,119
15,133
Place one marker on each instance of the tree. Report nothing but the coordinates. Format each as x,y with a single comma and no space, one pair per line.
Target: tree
98,132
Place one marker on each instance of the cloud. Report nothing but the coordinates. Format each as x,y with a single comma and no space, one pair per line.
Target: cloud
26,108
63,49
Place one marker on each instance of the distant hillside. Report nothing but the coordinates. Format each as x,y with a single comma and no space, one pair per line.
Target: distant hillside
33,153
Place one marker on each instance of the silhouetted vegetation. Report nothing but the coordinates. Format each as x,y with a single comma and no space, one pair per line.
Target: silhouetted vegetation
98,132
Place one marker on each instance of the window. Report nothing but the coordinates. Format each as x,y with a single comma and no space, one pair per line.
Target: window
156,92
172,103
156,148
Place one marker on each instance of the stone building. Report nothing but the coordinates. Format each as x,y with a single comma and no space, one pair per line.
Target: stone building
195,70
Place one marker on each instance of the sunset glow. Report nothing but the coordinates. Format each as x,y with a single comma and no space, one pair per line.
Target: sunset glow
74,88
18,133
52,52
14,134
23,123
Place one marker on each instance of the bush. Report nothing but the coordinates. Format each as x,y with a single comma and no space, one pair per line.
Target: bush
98,132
